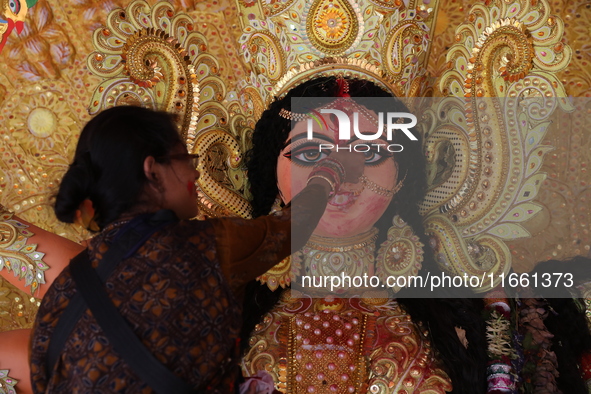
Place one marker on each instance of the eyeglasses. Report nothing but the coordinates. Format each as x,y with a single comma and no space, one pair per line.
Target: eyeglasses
191,158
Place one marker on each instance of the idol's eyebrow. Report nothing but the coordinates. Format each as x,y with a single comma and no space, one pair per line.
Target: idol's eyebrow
355,138
305,135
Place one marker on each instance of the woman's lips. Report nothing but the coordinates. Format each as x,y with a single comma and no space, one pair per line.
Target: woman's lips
191,188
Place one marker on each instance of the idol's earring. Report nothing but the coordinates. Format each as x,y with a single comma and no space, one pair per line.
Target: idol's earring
280,274
277,206
401,255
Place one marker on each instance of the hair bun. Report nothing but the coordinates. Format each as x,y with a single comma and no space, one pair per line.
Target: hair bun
75,187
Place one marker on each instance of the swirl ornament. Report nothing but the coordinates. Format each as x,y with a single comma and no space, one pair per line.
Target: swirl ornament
154,57
483,141
484,154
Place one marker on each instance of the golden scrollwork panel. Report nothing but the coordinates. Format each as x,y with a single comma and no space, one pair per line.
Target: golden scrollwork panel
503,66
159,59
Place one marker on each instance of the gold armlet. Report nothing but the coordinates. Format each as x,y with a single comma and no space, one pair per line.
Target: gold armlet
6,382
23,259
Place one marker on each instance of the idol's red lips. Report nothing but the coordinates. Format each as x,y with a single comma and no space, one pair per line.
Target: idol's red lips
344,199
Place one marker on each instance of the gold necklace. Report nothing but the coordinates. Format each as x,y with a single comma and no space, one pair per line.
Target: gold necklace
323,256
329,244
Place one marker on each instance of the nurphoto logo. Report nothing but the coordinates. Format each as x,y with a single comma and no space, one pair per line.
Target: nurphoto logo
392,120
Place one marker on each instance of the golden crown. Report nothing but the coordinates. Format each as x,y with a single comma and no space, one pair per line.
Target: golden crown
386,42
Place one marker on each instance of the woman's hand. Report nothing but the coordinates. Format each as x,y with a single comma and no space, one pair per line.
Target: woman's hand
352,162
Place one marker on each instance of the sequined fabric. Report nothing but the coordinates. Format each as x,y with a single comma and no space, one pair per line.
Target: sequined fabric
371,345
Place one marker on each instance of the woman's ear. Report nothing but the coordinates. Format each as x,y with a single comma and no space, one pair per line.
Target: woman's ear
85,216
149,170
154,172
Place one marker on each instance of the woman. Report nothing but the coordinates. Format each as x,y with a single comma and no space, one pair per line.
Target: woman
385,351
174,287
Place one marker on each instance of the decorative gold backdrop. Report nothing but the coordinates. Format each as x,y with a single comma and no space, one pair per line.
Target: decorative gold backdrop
45,89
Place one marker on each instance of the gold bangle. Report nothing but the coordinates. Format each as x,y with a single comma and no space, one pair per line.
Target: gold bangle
331,183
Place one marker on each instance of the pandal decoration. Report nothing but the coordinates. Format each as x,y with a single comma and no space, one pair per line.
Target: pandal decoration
478,197
154,56
501,374
486,190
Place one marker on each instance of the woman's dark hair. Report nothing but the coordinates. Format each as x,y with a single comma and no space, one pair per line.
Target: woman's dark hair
466,367
108,163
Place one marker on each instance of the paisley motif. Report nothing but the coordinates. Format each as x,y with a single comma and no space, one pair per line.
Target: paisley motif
155,57
269,60
332,25
222,155
405,46
501,97
133,48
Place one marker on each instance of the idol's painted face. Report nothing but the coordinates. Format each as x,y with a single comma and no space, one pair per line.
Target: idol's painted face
355,209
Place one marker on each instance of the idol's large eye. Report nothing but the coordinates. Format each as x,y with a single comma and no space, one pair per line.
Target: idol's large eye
15,6
375,154
307,154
